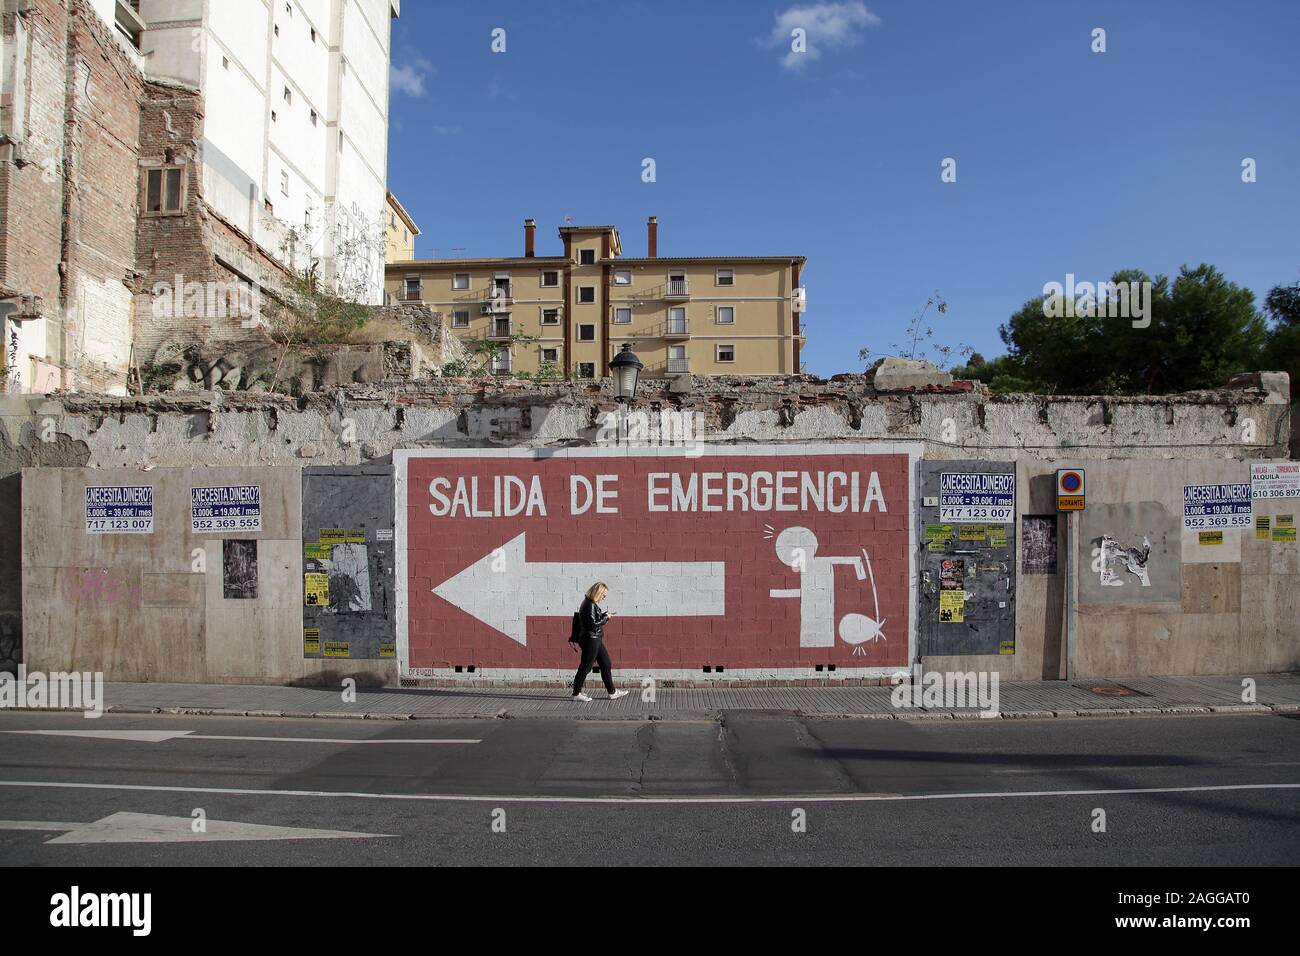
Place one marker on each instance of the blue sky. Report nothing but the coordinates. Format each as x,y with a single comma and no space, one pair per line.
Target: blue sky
1066,160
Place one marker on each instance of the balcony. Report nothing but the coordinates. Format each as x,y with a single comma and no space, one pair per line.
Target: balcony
677,328
499,330
413,295
679,288
679,366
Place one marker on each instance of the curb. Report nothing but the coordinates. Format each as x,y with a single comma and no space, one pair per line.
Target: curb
709,714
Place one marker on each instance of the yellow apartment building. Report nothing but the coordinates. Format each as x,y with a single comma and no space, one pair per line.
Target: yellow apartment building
698,315
400,231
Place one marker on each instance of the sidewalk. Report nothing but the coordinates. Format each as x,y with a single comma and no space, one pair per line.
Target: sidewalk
1275,693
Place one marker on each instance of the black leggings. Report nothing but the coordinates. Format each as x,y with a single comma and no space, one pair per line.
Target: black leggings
593,652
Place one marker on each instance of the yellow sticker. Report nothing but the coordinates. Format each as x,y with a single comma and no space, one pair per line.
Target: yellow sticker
316,590
1211,537
952,607
333,536
311,640
387,650
1286,521
1261,528
972,532
336,649
1284,534
316,552
997,537
1007,647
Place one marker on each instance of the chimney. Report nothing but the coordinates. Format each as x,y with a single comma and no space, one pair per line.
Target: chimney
530,230
652,237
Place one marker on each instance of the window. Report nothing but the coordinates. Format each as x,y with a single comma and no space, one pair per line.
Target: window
277,29
726,277
587,257
270,209
586,333
272,116
676,321
623,277
306,221
586,370
460,319
313,34
164,190
550,355
313,117
622,316
288,95
460,280
550,316
726,314
726,353
413,291
340,141
501,361
284,183
225,62
677,283
288,9
550,278
587,293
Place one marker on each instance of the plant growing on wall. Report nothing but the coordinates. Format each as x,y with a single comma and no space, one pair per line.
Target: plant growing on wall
315,310
919,343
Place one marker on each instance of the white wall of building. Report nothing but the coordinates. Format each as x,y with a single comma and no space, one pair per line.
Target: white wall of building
259,148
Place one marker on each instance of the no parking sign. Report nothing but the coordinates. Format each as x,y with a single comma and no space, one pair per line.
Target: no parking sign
1070,489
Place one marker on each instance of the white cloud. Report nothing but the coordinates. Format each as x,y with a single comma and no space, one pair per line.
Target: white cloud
409,78
826,26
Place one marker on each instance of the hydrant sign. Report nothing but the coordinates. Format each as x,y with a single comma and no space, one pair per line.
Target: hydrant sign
758,558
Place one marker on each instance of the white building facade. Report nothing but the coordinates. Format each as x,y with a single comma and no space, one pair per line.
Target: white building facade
295,146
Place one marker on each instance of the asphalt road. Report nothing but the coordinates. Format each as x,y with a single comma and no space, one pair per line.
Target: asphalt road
1218,790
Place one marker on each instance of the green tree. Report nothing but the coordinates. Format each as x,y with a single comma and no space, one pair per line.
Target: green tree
1203,329
1282,347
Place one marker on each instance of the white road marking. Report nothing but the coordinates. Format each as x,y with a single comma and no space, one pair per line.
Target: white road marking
151,828
158,736
793,798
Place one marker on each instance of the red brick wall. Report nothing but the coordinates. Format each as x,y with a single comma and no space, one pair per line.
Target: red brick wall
497,591
75,204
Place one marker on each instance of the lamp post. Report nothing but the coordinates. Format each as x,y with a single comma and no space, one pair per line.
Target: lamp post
625,368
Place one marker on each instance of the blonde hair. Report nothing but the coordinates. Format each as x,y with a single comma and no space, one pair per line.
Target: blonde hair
596,589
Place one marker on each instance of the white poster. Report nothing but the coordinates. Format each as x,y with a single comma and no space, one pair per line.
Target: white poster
119,509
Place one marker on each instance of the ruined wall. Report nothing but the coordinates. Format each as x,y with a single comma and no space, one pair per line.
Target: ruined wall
68,194
1222,607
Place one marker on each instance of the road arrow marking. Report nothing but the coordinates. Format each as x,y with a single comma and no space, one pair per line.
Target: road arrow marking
146,736
151,828
503,590
158,736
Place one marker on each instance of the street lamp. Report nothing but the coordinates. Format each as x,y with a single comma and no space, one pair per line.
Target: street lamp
626,369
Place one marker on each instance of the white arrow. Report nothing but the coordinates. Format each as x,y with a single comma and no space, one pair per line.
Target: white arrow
152,828
503,590
160,736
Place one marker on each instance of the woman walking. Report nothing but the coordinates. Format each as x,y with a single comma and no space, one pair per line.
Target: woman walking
591,644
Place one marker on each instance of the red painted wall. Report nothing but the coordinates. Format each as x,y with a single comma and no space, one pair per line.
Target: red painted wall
525,589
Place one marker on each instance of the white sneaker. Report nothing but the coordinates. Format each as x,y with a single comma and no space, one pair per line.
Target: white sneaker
617,694
582,697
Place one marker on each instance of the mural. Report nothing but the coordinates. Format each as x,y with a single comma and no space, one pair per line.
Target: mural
740,559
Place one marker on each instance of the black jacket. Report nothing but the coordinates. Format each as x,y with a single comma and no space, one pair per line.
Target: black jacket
593,619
